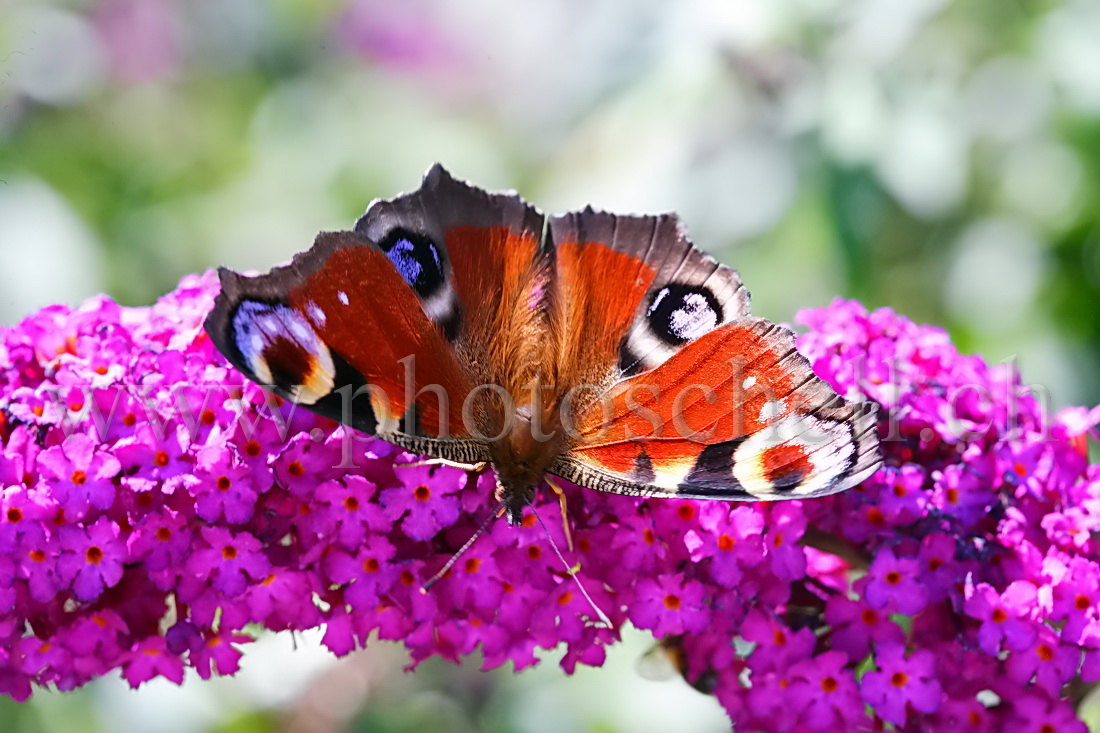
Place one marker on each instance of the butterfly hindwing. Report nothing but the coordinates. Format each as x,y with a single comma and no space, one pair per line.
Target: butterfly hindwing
735,414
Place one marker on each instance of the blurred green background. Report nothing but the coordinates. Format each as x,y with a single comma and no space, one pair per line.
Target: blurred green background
939,158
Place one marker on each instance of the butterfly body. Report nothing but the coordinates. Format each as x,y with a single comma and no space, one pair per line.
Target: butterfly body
603,349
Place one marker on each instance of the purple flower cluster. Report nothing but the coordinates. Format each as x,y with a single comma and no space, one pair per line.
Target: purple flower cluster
153,504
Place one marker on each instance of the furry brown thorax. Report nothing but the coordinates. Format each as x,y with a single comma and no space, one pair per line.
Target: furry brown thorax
531,440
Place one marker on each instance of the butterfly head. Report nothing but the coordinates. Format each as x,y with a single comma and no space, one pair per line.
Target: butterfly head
530,442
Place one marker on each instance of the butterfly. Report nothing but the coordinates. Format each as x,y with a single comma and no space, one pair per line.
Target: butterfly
607,350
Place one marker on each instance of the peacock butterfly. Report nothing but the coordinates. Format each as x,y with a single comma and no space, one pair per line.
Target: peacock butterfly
604,349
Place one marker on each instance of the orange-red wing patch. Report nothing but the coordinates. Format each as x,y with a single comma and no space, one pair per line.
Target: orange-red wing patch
600,290
492,269
358,301
724,385
785,463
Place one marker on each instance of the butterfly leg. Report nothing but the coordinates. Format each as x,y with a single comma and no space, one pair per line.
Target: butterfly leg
564,517
475,468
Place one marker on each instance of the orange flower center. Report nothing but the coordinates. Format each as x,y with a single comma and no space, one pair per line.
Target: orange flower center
999,616
296,469
164,534
725,543
229,552
93,555
370,565
79,478
829,685
160,459
893,577
351,504
422,493
224,483
899,679
672,602
473,565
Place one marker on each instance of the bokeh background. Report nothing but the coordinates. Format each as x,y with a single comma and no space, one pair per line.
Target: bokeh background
941,158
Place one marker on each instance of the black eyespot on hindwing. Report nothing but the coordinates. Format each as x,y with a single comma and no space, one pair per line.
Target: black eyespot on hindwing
679,313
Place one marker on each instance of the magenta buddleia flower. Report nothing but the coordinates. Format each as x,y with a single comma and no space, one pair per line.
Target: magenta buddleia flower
731,539
425,501
670,604
157,509
787,524
896,580
855,625
899,683
348,511
1050,663
1003,616
777,646
828,692
1076,598
150,658
79,475
218,654
223,488
1043,714
366,573
230,560
91,559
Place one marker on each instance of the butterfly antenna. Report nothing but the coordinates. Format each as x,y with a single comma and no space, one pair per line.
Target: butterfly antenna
572,573
462,550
